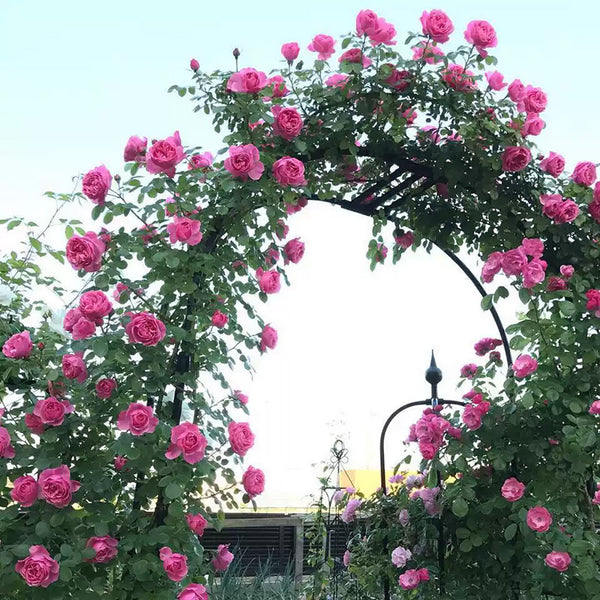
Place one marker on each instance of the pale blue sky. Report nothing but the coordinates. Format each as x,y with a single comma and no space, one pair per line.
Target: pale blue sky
80,77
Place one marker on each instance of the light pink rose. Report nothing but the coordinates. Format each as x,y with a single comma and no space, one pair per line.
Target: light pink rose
366,22
347,558
96,184
534,100
533,247
6,449
276,85
268,338
288,122
482,35
472,416
197,523
95,305
383,33
184,230
223,558
244,162
512,489
324,45
268,281
119,462
164,155
56,487
240,396
400,556
200,161
539,519
410,579
404,517
175,565
559,561
595,408
349,513
253,481
337,80
194,64
515,158
534,272
105,547
524,365
135,149
584,173
187,440
247,81
34,424
553,164
437,25
73,367
516,91
85,252
18,346
39,569
194,591
495,80
514,261
533,125
289,171
144,328
290,51
137,419
52,411
105,388
219,319
294,250
25,490
241,437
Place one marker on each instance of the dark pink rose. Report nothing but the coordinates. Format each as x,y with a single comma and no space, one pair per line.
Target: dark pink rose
595,408
495,80
194,591
105,388
95,305
241,437
137,419
485,345
430,53
194,64
533,125
552,205
288,122
96,184
366,22
39,569
516,91
52,411
187,440
34,424
268,281
568,212
18,346
276,85
482,35
219,319
404,239
85,252
294,250
512,489
200,161
240,396
492,266
25,490
83,329
6,449
399,80
468,371
105,548
534,100
593,301
290,51
253,481
223,558
164,155
289,171
56,487
459,78
515,158
184,230
584,173
324,45
119,462
594,210
73,367
553,164
247,81
559,561
556,284
197,523
383,33
71,318
514,261
355,56
539,519
175,565
534,272
524,365
144,328
268,338
337,80
409,580
437,25
244,162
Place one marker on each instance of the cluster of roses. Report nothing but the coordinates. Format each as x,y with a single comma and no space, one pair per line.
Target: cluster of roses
83,320
473,413
411,578
429,497
429,432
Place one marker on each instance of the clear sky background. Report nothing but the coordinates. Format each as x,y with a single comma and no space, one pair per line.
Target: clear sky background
78,78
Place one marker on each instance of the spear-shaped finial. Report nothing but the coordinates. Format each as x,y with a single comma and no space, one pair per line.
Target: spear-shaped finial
236,55
433,375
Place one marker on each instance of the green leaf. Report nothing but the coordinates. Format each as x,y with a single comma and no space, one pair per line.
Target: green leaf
100,346
567,308
459,507
487,301
524,295
510,532
173,490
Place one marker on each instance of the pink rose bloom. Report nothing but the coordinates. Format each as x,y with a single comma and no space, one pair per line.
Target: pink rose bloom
240,396
6,450
135,149
184,230
197,523
95,305
584,173
277,89
83,329
324,45
187,439
71,318
553,164
137,419
404,240
568,212
164,155
471,416
241,437
25,490
383,33
253,481
514,261
399,80
219,319
281,229
347,558
482,35
244,162
534,272
556,284
595,408
18,346
201,161
468,370
194,64
533,125
56,487
495,80
366,22
349,513
337,80
534,100
247,81
96,184
533,247
105,548
516,91
430,53
294,251
290,51
515,158
268,281
492,266
52,411
559,561
223,558
485,345
119,462
459,78
552,205
355,55
268,338
539,519
593,301
400,556
194,591
34,424
524,365
39,569
85,252
175,565
567,271
437,25
512,489
144,328
105,387
289,171
404,517
409,580
73,367
288,122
